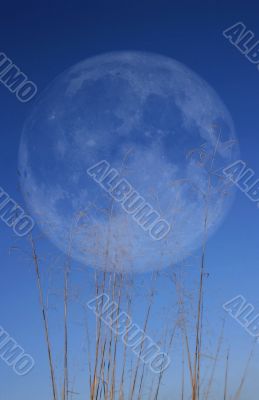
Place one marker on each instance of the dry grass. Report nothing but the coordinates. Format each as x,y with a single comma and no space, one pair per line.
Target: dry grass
114,372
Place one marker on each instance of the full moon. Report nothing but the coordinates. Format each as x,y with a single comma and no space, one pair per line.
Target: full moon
145,120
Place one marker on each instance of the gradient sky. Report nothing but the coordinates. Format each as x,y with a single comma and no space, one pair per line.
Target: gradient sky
44,39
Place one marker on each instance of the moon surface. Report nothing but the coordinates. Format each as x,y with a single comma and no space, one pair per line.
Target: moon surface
160,126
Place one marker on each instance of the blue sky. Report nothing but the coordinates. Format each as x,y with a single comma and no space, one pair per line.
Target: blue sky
46,38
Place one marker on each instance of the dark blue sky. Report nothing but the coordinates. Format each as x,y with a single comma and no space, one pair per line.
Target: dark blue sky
44,39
